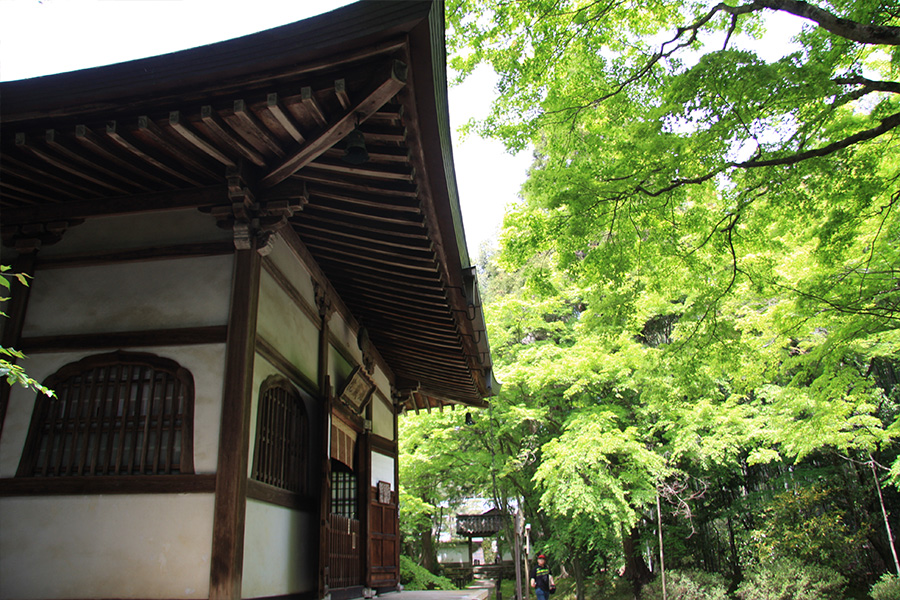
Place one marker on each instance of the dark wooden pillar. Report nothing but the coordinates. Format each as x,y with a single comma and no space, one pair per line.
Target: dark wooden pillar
326,309
227,559
365,499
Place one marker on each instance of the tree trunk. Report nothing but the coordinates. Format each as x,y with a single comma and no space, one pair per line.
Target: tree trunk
578,570
662,554
735,561
887,523
636,570
429,558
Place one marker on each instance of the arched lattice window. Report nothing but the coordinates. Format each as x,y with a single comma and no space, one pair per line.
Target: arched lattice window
280,456
123,413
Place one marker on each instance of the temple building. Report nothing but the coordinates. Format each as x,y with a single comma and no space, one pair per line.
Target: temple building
247,258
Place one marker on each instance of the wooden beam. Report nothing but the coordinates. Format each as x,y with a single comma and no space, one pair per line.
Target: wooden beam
90,140
188,336
378,153
246,124
61,164
312,106
154,201
316,213
334,133
430,294
113,133
354,273
369,169
56,141
421,274
81,485
307,227
400,262
40,177
385,134
386,216
188,250
373,298
149,129
218,128
340,90
23,194
289,369
181,128
395,188
431,324
257,490
283,118
368,246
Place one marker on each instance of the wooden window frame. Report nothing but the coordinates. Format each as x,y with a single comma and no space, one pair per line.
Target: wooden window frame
93,442
281,449
344,492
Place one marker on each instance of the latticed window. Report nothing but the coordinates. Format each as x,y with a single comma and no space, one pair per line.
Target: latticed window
344,492
122,413
280,457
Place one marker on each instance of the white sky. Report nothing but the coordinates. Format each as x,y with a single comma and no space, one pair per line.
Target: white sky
42,37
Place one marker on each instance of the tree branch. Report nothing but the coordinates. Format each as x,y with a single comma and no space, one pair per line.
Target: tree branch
868,85
845,28
887,124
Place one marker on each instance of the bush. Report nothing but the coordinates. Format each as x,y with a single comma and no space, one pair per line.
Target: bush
791,579
416,577
687,585
886,588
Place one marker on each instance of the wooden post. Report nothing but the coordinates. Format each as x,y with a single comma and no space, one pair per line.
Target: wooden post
365,498
324,304
227,560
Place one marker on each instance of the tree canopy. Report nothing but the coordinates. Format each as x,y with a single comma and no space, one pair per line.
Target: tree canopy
697,302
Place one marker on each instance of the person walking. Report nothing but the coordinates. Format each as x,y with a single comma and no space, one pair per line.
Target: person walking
541,579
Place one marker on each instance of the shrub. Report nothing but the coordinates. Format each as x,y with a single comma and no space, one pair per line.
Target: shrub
886,588
687,585
416,577
810,524
791,579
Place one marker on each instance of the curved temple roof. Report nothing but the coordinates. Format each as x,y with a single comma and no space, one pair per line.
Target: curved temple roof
260,122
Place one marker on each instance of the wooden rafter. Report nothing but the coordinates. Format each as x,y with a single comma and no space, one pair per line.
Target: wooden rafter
180,126
283,118
90,140
220,130
339,129
114,134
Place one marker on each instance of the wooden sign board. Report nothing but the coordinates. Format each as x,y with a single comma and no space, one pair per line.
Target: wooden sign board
358,391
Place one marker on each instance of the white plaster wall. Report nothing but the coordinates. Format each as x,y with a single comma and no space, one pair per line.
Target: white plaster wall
382,418
338,369
341,330
279,557
287,328
292,268
140,230
206,363
128,546
188,292
383,469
